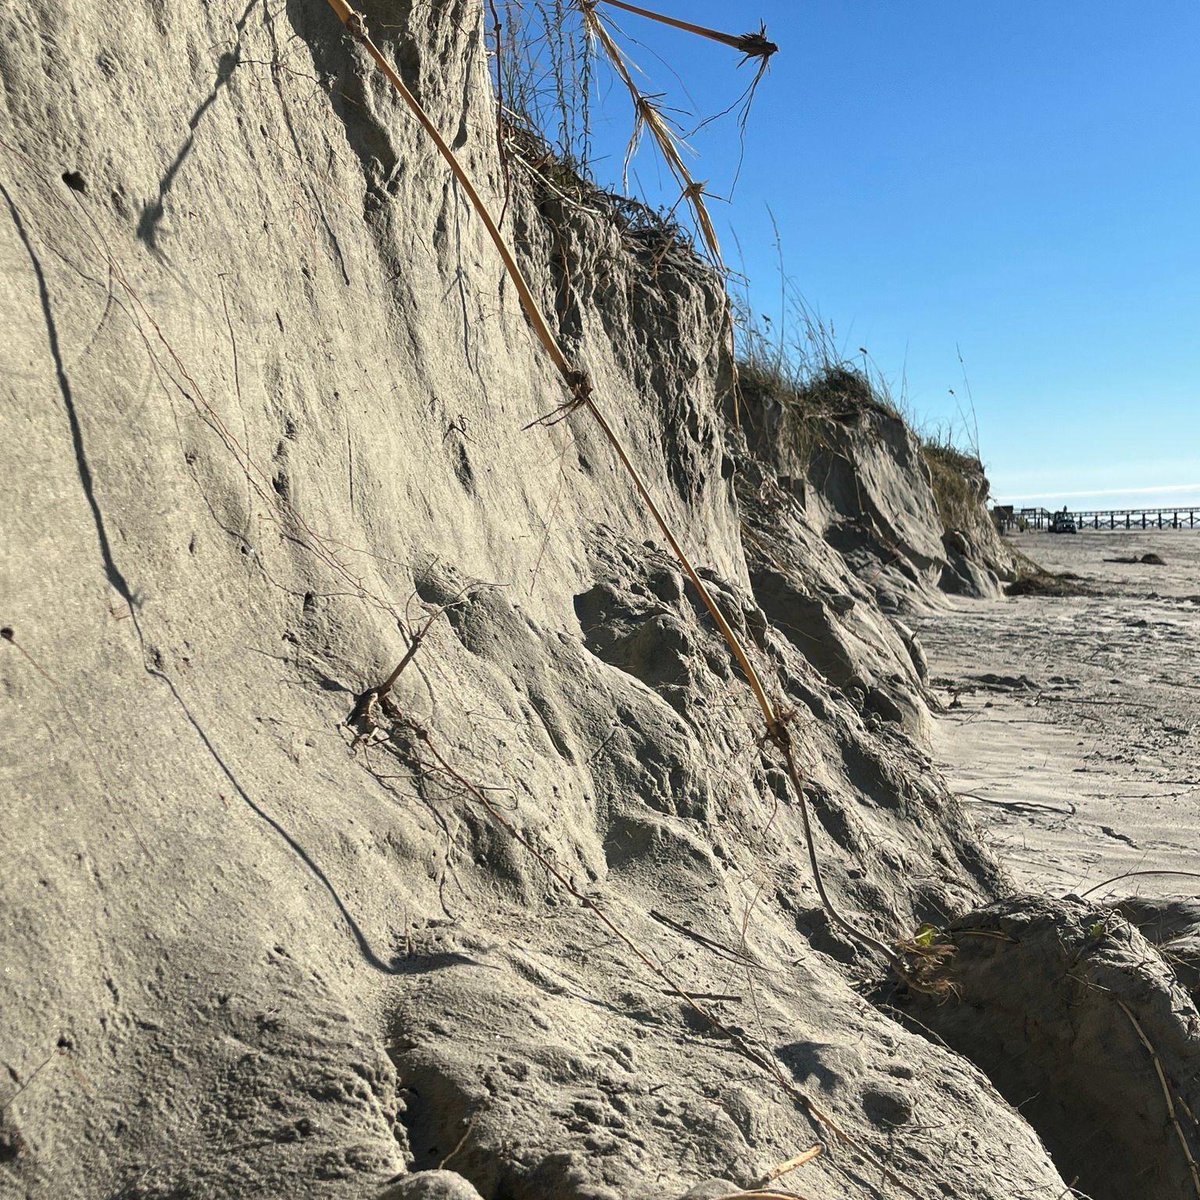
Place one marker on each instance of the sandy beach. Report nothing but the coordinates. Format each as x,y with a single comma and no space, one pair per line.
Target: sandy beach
1071,726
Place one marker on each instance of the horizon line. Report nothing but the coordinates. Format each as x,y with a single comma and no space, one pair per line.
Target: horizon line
1164,489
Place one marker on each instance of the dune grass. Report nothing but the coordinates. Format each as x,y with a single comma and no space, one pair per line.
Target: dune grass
551,58
960,486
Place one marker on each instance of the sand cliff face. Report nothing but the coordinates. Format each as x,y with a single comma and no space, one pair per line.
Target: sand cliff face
267,405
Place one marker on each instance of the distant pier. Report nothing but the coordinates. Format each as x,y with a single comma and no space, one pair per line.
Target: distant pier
1172,517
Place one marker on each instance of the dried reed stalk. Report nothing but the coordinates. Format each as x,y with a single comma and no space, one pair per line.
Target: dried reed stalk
789,1165
648,117
575,380
752,45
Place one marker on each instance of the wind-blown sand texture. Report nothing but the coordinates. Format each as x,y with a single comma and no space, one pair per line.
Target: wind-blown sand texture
1072,726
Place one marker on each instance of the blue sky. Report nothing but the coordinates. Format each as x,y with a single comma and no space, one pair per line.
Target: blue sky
1019,181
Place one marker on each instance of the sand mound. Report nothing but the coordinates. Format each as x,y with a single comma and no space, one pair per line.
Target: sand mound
1079,1021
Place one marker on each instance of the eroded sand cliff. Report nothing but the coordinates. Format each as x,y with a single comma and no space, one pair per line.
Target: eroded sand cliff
267,400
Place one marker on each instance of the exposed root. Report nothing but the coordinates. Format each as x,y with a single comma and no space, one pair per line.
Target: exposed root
1172,1114
761,1194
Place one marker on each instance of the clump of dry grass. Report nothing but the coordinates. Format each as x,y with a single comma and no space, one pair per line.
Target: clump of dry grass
960,486
799,366
552,176
1047,583
1034,580
926,955
543,69
798,360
